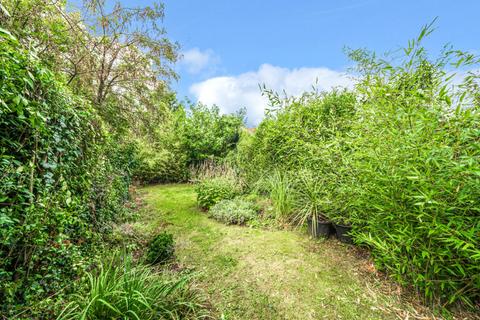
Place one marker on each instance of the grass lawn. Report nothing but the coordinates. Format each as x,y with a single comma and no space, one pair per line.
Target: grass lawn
251,273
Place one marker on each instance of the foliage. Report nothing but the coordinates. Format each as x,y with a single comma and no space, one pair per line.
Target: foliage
297,151
211,169
192,139
398,158
100,49
414,187
160,165
240,158
298,135
160,249
206,134
279,187
120,290
212,191
311,198
59,188
235,211
119,59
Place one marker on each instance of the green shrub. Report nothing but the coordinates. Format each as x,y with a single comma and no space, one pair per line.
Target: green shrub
205,133
414,191
298,135
63,180
160,165
160,249
120,290
236,211
306,135
212,191
242,157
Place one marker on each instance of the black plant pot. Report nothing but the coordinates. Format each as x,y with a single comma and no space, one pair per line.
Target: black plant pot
343,233
324,229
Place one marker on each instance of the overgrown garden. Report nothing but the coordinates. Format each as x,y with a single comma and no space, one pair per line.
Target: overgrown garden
86,111
394,162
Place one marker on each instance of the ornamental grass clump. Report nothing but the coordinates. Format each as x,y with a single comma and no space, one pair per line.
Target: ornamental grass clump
119,289
280,189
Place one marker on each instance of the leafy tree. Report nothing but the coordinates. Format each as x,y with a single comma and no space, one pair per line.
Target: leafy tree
207,134
118,57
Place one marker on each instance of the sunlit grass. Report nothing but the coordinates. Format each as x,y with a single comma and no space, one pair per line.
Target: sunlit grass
259,274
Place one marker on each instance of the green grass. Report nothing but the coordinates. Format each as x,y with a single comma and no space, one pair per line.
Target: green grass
262,274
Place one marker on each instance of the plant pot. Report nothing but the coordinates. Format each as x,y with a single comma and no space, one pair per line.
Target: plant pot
324,229
343,233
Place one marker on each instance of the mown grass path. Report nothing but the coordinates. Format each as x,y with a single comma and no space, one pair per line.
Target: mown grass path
260,274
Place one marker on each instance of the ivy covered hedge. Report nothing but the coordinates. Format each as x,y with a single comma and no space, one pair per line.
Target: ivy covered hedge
62,179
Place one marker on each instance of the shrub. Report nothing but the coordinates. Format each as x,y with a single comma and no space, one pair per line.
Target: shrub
236,211
212,191
61,180
298,134
205,133
306,135
160,165
120,290
414,191
160,249
241,158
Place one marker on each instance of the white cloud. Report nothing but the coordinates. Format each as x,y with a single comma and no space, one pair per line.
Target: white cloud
196,60
233,92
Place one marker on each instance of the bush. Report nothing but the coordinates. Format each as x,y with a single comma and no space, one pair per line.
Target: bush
160,249
120,290
298,135
62,181
160,165
212,191
236,211
414,191
204,133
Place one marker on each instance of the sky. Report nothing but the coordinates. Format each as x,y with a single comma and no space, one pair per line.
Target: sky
230,47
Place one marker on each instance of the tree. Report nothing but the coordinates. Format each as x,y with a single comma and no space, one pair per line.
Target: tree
205,133
118,57
129,50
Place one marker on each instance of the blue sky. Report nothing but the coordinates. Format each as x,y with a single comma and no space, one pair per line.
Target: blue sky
231,46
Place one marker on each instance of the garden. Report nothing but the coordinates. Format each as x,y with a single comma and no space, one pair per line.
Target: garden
119,201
